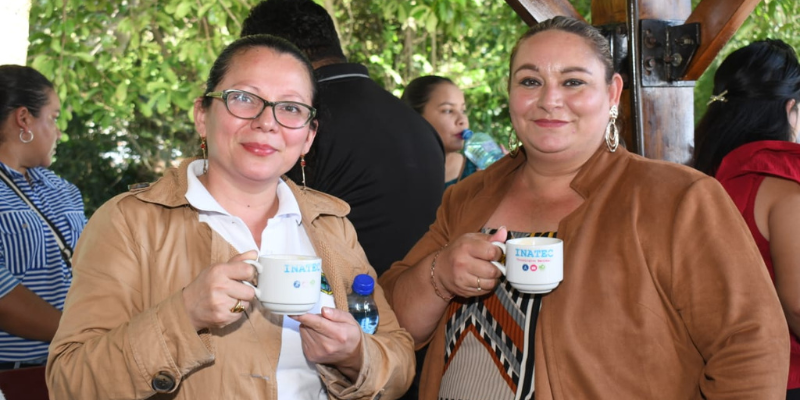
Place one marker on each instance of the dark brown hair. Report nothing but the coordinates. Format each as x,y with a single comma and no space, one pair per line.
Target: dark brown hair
592,35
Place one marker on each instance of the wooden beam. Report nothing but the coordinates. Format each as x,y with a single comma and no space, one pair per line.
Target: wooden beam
719,20
533,11
614,12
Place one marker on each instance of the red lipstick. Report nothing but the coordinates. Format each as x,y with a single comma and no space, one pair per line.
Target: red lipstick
550,123
259,149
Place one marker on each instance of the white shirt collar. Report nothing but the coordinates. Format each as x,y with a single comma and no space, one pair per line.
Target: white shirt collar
198,196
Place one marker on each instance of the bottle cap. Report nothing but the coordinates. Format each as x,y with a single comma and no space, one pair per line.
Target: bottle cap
466,134
363,284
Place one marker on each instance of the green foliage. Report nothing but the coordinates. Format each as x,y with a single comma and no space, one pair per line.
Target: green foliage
466,40
127,74
128,71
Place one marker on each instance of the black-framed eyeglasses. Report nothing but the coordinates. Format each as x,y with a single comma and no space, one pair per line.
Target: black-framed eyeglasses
245,105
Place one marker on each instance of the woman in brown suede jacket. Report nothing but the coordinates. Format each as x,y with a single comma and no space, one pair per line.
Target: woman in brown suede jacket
158,308
664,296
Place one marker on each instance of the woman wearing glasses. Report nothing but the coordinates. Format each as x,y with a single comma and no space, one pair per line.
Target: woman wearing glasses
157,304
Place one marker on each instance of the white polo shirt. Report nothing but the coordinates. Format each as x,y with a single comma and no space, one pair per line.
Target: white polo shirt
284,234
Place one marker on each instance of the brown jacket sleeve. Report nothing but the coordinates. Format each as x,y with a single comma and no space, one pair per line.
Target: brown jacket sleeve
723,292
109,345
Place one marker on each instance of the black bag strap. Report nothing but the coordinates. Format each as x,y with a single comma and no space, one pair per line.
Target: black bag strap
66,251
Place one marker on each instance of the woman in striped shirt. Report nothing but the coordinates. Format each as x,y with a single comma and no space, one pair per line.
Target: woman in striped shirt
34,277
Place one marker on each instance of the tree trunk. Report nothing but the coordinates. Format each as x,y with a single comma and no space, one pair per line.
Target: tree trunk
14,15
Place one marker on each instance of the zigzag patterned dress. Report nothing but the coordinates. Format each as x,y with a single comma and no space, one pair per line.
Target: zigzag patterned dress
489,343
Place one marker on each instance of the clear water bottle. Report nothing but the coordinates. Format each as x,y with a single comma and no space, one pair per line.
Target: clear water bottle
481,149
362,305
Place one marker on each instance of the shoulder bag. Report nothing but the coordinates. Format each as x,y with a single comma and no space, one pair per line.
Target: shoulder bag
66,251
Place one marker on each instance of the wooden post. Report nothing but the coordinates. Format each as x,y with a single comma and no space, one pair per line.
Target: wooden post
667,111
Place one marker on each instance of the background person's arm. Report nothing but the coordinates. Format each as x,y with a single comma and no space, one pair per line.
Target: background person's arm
24,314
783,230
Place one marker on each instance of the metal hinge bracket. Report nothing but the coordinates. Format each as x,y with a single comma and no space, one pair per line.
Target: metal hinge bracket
667,50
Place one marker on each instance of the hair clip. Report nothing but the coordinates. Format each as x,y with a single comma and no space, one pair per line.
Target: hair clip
719,97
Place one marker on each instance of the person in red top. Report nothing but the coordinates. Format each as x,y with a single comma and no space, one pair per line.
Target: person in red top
746,140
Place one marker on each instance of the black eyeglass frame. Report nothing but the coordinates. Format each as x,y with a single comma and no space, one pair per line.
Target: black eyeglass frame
223,95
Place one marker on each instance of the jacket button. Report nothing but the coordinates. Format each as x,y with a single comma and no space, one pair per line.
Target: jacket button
163,382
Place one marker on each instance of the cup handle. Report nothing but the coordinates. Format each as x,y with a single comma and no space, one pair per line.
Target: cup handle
259,268
500,266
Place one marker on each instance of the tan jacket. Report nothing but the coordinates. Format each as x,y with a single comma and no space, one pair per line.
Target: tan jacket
665,295
125,328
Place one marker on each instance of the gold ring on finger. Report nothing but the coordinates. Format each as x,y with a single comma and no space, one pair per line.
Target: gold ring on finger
239,307
479,285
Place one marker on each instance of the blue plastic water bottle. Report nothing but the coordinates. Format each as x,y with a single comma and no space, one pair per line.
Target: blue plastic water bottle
480,148
362,305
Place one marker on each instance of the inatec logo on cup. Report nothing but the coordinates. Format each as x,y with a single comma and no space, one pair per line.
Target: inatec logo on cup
298,269
301,269
287,283
533,253
532,265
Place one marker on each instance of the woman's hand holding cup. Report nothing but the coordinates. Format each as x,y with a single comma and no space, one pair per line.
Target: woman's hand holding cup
218,290
332,337
463,268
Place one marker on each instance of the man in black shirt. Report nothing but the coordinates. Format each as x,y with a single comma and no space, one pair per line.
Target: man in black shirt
371,150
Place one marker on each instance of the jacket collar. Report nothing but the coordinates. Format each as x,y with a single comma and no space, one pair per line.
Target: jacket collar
341,71
497,181
591,176
314,204
596,171
170,191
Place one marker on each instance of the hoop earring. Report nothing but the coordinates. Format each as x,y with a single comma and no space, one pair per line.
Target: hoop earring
612,132
205,155
513,144
22,132
303,169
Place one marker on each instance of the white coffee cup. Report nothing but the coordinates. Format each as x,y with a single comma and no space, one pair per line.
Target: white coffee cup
288,283
532,264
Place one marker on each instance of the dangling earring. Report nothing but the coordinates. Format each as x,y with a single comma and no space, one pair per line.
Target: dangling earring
205,155
612,132
303,169
513,144
22,132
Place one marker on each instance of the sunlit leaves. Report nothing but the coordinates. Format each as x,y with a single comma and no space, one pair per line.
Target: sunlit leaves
127,71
